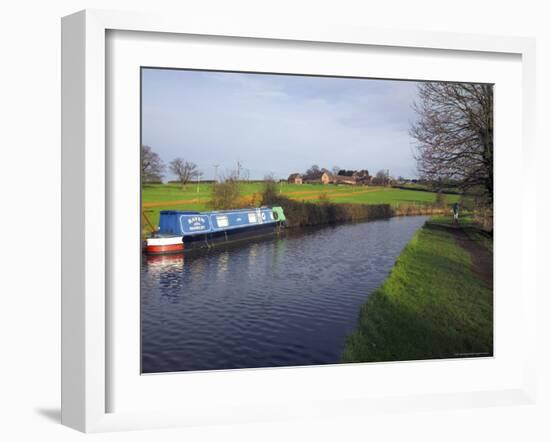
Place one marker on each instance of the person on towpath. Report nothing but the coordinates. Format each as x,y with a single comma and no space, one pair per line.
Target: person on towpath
455,212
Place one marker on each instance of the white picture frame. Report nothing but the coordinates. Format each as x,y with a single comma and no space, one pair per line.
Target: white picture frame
87,356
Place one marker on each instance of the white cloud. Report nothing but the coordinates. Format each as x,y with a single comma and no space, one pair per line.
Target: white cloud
279,124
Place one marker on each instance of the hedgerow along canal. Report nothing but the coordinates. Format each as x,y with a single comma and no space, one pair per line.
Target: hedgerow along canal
285,301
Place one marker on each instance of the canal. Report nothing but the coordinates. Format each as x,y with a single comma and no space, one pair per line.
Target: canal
284,301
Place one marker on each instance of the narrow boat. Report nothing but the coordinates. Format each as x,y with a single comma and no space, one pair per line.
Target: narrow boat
180,231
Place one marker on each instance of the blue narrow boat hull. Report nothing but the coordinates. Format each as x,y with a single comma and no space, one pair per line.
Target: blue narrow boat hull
186,231
208,240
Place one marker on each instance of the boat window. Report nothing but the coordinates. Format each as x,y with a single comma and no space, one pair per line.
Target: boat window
252,218
222,221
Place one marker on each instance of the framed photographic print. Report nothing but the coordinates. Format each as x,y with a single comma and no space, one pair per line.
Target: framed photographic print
269,223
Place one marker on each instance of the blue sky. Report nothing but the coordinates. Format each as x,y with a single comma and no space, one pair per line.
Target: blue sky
278,124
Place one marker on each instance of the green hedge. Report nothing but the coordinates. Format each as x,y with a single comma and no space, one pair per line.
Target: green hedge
301,214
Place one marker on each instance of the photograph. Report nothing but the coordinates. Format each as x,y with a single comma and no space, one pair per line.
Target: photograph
302,220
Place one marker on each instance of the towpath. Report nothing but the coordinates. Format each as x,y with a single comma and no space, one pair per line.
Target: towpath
482,258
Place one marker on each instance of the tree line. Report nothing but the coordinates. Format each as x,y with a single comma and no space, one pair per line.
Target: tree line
153,168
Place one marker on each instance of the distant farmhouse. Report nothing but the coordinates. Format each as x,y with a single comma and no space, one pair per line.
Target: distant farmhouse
315,175
341,179
295,178
326,177
321,177
355,176
349,177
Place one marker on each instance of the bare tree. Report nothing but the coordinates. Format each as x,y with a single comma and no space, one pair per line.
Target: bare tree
313,173
454,132
381,178
335,170
184,170
226,192
152,167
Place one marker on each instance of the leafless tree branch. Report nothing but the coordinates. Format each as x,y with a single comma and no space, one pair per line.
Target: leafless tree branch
454,133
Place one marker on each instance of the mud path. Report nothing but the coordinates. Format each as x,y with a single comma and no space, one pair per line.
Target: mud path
482,258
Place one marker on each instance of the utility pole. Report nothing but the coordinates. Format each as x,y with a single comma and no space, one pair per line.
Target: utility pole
238,170
216,172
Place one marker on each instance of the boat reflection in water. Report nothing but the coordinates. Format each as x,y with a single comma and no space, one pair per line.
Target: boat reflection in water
159,262
175,275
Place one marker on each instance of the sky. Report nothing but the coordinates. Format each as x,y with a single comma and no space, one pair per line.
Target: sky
278,124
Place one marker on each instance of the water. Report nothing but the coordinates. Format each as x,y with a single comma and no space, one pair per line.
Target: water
284,301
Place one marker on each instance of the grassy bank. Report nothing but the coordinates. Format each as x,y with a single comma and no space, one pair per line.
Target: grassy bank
434,304
305,204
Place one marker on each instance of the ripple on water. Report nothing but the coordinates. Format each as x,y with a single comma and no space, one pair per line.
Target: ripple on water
280,302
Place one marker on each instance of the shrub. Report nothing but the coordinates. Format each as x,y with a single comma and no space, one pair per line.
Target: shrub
302,214
226,193
269,192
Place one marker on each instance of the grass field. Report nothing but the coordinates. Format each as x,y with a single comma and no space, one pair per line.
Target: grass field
436,303
157,197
